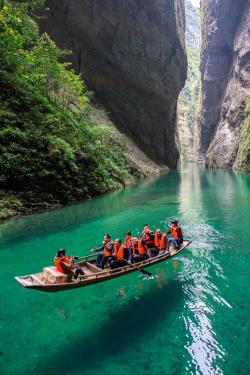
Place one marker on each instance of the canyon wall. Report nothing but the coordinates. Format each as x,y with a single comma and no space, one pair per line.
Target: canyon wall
225,75
131,54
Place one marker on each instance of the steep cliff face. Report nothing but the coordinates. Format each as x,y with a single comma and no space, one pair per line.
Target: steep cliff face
225,74
131,54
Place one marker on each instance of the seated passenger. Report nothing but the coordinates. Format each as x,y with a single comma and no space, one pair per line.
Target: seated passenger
148,236
127,241
120,256
177,235
139,250
107,247
65,265
163,243
154,250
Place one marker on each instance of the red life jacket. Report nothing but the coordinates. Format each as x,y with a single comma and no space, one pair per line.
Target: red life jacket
163,244
59,260
119,251
176,231
108,249
157,240
142,248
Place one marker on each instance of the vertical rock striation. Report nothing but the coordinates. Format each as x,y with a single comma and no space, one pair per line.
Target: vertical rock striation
131,54
225,74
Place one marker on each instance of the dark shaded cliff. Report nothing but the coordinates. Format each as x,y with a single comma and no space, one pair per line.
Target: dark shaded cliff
225,74
131,54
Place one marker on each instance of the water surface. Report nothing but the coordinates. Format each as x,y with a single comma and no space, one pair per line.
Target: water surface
192,318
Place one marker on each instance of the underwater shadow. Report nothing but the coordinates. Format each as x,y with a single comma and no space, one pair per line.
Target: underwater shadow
124,327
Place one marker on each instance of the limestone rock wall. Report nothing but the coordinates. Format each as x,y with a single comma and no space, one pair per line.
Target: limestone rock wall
131,54
225,74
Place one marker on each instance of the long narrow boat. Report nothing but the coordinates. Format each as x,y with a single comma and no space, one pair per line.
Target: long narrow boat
51,280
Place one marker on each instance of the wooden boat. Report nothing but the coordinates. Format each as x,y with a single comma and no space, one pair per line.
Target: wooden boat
51,280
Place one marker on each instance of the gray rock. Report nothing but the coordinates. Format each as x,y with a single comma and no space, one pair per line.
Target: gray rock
131,54
225,70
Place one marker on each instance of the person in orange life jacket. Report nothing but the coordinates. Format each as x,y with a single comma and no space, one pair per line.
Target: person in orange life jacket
148,236
145,227
163,243
128,242
157,242
177,235
65,265
120,256
107,247
138,250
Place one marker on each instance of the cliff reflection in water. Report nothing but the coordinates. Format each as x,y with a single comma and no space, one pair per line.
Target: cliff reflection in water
201,292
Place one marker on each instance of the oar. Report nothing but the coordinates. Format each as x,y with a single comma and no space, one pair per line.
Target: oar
139,269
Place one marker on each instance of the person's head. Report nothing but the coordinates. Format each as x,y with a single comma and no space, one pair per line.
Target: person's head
145,227
61,253
135,240
174,222
127,234
158,232
118,241
107,237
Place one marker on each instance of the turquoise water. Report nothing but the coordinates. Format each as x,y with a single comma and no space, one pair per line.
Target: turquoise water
192,318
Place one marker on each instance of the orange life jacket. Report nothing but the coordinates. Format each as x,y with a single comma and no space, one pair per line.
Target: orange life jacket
142,248
59,260
127,242
157,240
176,231
108,249
119,252
149,238
163,244
135,247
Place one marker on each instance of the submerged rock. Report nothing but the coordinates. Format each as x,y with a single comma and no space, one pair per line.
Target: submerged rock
131,54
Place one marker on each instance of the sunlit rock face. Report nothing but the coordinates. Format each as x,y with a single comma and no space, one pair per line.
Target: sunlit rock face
131,54
225,73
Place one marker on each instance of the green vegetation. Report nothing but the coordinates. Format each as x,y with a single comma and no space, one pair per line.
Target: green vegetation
51,152
190,93
243,157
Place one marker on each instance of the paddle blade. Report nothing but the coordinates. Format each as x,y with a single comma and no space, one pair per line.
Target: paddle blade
145,272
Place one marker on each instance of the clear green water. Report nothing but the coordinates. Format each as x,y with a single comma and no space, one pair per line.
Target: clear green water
193,318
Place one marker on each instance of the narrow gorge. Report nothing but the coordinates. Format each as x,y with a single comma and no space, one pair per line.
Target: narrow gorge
94,118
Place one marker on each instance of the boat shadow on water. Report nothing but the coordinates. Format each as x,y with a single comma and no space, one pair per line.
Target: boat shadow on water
126,326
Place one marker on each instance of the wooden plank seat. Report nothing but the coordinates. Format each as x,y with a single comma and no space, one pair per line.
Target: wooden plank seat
93,267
